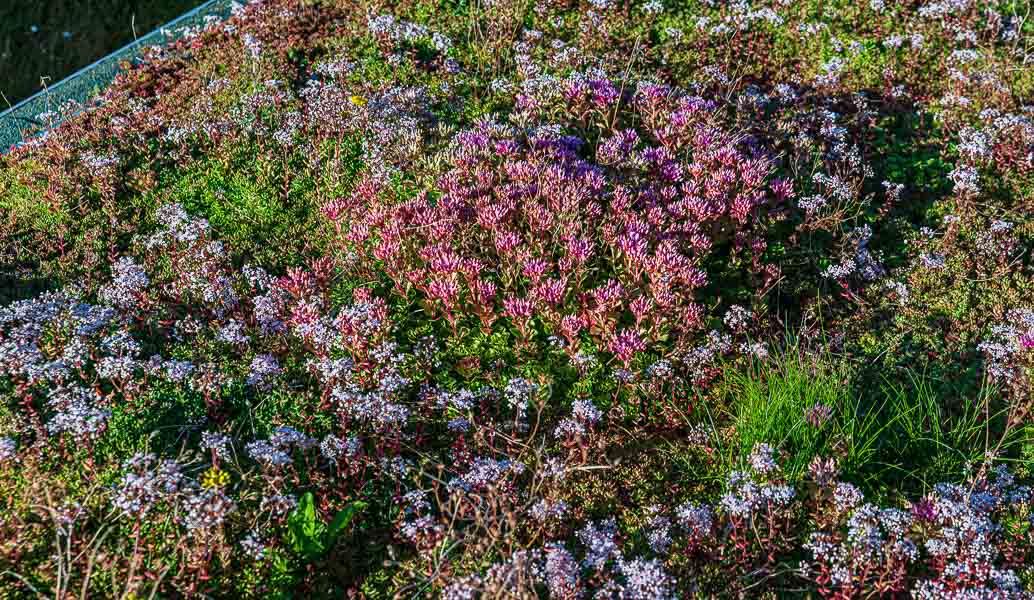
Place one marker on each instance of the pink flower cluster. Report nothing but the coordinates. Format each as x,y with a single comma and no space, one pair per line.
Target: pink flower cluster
610,250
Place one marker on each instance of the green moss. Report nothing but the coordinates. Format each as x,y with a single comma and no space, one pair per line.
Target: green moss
263,215
26,206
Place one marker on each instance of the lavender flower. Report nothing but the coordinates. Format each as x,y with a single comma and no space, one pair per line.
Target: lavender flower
8,449
75,412
253,546
216,442
966,180
599,542
268,454
546,510
129,280
761,459
279,504
147,483
659,531
561,572
584,410
264,367
646,580
178,371
233,333
333,448
485,472
207,509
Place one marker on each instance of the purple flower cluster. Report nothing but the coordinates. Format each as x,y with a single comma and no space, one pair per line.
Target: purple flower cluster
150,483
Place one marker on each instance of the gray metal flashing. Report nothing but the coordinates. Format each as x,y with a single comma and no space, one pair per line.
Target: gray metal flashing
87,82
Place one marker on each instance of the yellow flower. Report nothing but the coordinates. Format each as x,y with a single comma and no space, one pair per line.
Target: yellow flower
215,478
357,100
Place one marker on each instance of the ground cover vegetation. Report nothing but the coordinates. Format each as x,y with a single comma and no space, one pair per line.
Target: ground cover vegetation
566,299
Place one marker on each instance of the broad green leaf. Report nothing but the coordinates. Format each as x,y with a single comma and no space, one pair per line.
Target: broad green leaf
302,522
341,521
